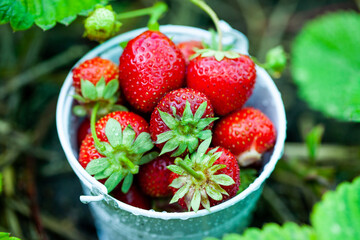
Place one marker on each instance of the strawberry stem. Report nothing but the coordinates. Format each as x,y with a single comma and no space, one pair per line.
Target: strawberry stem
197,175
155,12
97,143
214,17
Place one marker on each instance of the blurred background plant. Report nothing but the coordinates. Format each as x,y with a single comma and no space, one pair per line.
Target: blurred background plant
320,91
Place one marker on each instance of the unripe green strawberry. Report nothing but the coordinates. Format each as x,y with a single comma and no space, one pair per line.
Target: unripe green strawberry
101,24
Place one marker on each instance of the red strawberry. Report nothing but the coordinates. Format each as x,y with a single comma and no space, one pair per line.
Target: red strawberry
96,81
133,197
154,177
93,70
118,150
83,130
226,78
182,118
150,66
247,133
188,48
208,177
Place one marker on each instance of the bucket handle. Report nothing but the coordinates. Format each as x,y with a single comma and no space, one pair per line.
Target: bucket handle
97,194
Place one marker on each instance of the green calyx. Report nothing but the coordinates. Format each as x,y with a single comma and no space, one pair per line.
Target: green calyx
101,24
185,131
104,94
198,181
219,55
123,153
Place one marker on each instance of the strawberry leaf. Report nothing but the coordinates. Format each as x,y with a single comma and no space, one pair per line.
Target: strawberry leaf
163,137
143,143
180,150
247,176
97,165
271,231
180,193
127,183
113,132
113,180
170,146
195,201
88,90
176,169
187,114
178,182
111,88
203,147
211,191
79,111
148,157
326,63
222,179
128,136
168,119
337,215
200,111
22,14
100,87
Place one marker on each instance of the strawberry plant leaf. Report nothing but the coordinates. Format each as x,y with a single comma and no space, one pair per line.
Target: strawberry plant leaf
222,179
79,111
127,183
100,87
1,183
337,215
177,182
143,143
163,137
111,88
22,14
271,231
211,191
326,63
313,140
113,132
97,165
114,179
200,111
88,90
247,176
176,169
195,201
148,157
170,146
128,136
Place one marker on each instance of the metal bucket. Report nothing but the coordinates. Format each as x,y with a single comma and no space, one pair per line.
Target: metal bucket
117,220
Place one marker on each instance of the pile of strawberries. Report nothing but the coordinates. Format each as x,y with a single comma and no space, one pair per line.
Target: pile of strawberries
169,122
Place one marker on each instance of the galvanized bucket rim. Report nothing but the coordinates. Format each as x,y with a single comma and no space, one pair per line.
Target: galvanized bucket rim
63,112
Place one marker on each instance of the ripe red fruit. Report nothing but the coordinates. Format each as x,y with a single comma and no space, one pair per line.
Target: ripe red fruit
247,133
154,177
182,119
188,48
206,178
122,140
133,197
93,70
83,130
228,82
150,66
